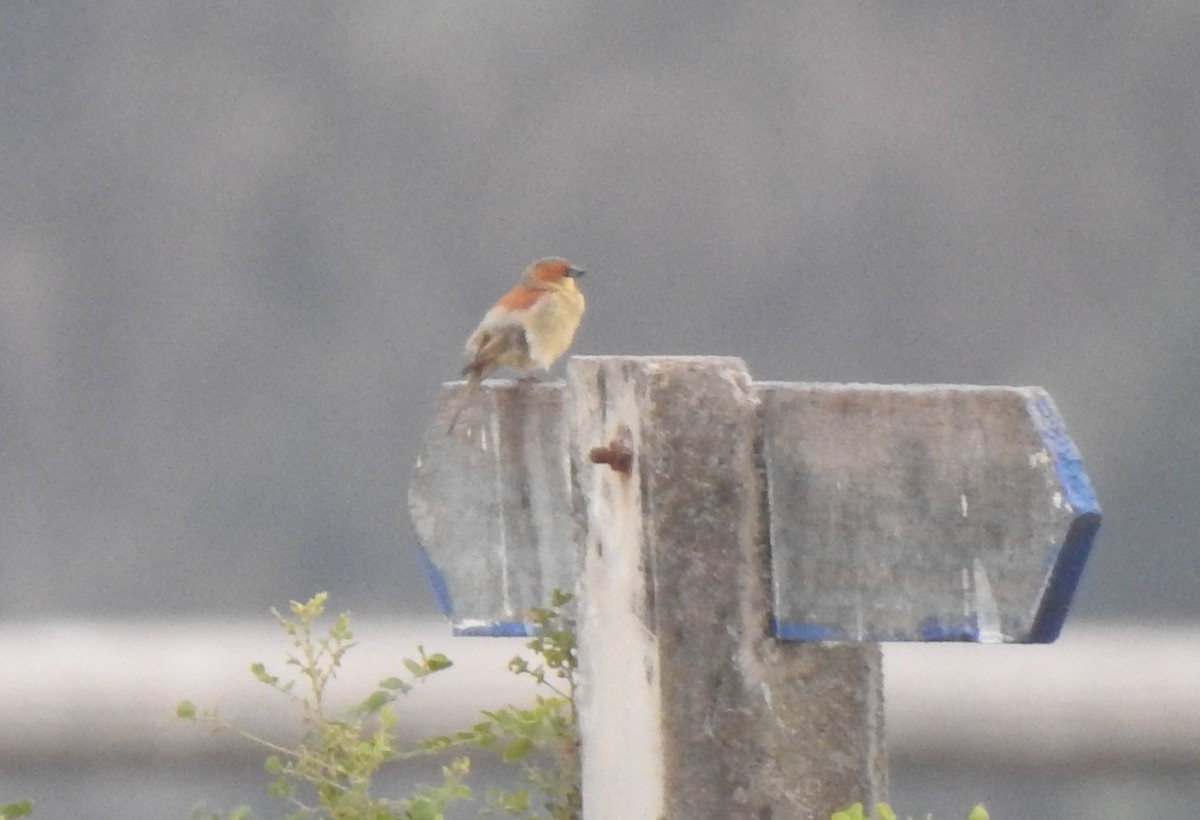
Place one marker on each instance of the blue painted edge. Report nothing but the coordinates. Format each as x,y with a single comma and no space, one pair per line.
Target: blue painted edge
470,629
1081,496
793,631
929,631
934,630
492,629
437,581
1064,579
1077,487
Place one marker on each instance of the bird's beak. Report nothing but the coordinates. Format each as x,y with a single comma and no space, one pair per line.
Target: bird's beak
575,272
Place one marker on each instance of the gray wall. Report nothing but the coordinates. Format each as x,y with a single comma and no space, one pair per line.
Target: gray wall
242,243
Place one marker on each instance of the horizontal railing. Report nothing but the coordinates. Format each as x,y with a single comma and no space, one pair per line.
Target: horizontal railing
1102,694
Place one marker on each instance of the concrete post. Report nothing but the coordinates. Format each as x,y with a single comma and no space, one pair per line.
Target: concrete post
690,709
724,534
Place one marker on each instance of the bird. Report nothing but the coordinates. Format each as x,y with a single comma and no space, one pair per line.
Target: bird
527,328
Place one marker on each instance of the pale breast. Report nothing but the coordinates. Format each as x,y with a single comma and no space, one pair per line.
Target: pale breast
553,324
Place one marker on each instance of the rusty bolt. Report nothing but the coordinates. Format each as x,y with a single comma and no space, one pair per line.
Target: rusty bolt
615,454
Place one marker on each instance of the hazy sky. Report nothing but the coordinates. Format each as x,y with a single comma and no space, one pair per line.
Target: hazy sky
243,242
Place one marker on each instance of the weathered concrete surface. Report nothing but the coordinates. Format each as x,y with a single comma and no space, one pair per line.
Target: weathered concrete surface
494,506
902,512
894,512
891,513
690,709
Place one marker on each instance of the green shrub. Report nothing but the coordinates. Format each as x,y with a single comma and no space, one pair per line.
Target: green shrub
884,812
542,739
327,774
11,811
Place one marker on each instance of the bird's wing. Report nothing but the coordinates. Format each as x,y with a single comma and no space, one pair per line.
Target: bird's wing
502,340
522,297
510,311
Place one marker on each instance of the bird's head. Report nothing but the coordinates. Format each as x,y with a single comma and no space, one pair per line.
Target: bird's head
553,270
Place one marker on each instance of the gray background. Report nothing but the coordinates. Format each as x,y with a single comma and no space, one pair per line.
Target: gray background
242,244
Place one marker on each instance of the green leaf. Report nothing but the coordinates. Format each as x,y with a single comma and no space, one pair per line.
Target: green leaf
395,684
259,671
852,812
340,630
373,702
978,813
885,812
437,662
437,743
422,809
314,605
22,809
185,709
516,801
519,749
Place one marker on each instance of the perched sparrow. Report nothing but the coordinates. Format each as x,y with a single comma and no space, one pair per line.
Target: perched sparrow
528,328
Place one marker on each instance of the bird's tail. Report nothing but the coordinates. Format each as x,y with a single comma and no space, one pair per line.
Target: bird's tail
474,376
